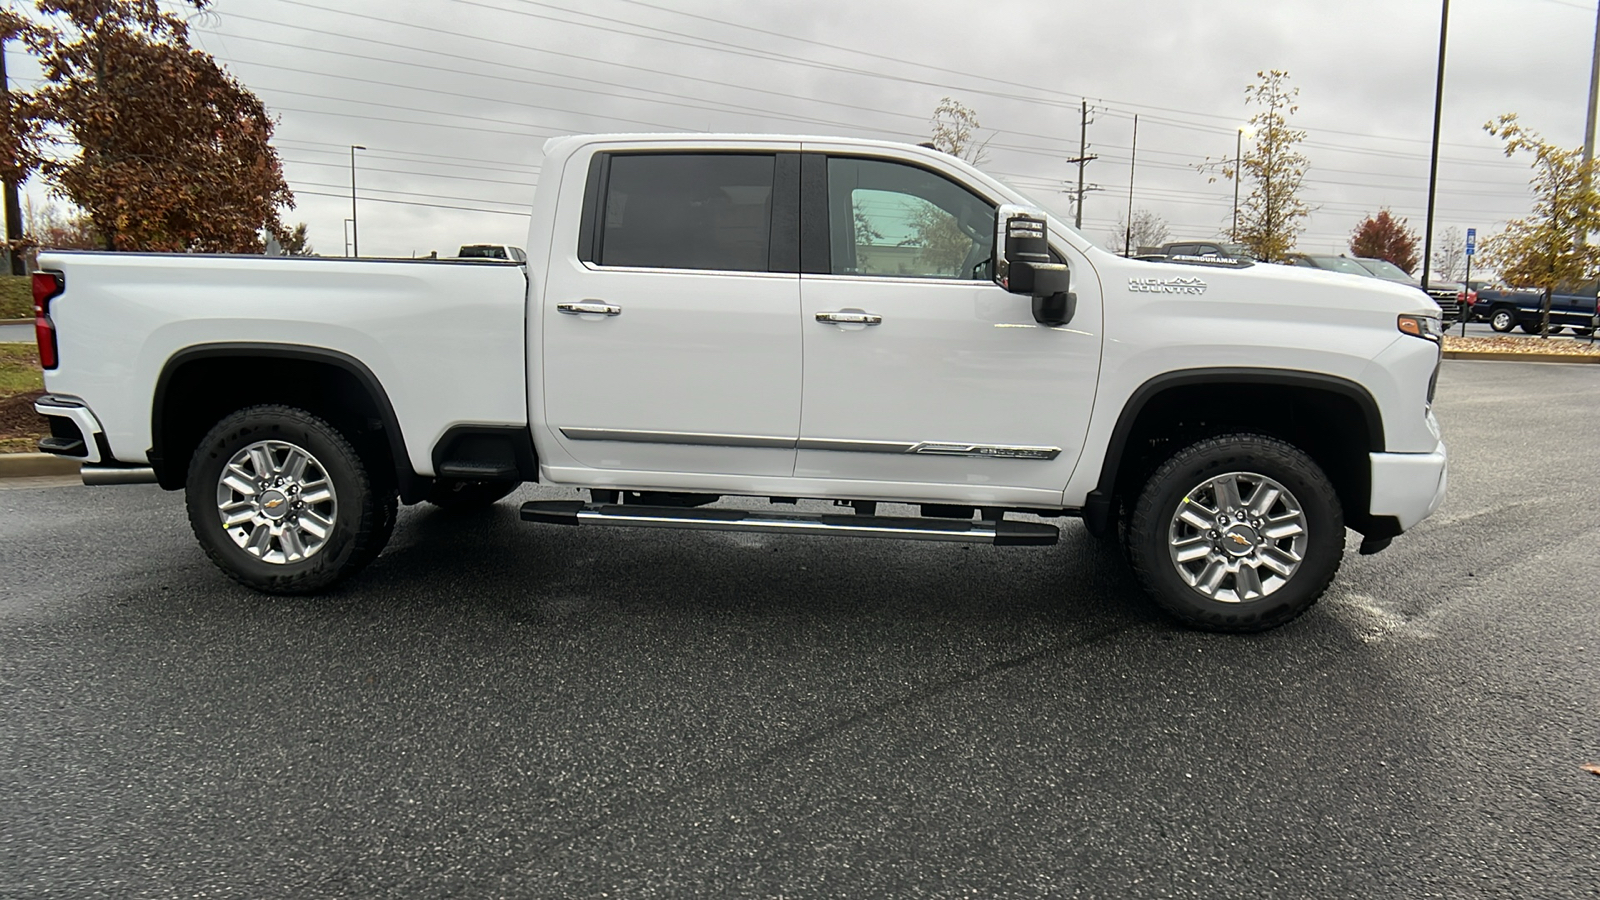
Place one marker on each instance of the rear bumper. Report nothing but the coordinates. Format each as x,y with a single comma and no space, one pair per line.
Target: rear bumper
74,431
1408,487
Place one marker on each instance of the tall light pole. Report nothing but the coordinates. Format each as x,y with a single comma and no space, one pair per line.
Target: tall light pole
1238,173
355,236
347,223
1433,166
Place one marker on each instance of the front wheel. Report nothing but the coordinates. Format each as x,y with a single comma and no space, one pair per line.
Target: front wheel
282,502
1502,320
1237,533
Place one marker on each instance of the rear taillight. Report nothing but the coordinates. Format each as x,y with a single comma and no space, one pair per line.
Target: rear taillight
46,287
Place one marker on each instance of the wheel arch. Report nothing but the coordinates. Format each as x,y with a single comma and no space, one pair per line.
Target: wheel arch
1332,419
194,391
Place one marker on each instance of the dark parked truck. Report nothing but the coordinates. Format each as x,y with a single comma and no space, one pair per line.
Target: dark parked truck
703,317
1571,306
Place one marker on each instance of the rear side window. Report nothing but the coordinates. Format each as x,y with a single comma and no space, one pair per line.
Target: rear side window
687,211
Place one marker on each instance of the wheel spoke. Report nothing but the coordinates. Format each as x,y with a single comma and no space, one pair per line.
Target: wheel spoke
293,550
1196,515
260,540
315,493
1287,525
1247,583
1279,560
1212,576
294,466
1191,549
261,459
313,523
1264,497
1227,488
237,513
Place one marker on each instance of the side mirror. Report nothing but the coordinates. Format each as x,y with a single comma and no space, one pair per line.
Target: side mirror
1022,264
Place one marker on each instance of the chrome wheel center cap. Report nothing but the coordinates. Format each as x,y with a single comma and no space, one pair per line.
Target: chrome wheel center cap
1240,540
274,504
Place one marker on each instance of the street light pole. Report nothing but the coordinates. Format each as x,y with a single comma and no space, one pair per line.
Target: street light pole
1238,147
1433,166
355,234
347,223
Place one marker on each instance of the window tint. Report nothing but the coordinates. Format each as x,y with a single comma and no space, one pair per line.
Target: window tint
887,218
688,211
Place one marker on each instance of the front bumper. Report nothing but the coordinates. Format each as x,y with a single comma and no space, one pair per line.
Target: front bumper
1408,487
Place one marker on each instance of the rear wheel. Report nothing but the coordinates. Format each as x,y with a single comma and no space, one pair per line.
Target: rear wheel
1502,320
282,502
456,493
1236,533
1529,327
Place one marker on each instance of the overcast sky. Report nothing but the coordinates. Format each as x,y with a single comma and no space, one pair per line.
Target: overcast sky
453,98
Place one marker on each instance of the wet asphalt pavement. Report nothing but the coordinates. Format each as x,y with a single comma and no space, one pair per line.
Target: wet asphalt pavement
501,709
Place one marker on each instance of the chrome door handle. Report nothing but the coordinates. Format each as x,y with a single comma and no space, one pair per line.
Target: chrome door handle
589,307
850,317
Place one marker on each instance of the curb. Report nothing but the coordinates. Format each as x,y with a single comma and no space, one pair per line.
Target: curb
1506,356
16,321
24,465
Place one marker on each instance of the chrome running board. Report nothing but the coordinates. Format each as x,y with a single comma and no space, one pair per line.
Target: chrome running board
1001,533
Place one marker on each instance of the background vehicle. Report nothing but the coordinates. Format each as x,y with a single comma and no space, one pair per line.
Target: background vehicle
1452,296
1571,306
690,296
492,251
1328,262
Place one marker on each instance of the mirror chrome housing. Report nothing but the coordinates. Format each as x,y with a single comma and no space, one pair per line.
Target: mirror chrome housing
1022,264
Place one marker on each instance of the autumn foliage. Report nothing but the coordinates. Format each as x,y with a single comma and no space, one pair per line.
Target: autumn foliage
157,144
1385,237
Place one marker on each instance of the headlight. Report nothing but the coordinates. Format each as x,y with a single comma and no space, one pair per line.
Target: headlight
1428,328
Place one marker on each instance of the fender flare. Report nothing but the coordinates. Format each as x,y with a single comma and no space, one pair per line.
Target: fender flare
1097,506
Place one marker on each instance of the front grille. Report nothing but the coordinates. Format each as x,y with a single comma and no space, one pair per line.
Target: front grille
1448,301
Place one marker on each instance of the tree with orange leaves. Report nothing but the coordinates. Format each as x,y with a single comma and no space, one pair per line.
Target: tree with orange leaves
159,146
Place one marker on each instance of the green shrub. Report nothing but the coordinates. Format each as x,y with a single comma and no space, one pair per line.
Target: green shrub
16,297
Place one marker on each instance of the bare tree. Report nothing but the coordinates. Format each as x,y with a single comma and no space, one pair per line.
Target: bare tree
955,130
1450,254
1149,230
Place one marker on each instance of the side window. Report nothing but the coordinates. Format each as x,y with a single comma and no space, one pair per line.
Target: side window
887,218
687,211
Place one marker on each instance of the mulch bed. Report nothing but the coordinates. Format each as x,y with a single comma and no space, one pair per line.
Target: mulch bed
1564,346
18,421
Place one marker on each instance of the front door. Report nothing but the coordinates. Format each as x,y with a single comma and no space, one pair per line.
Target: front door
918,367
671,336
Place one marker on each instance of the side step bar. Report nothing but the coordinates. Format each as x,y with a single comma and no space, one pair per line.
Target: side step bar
1002,533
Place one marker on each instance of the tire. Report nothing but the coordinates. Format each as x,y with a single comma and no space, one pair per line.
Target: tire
263,459
1529,327
1502,320
1244,580
458,494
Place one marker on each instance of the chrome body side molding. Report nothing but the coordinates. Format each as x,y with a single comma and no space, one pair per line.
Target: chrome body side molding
933,448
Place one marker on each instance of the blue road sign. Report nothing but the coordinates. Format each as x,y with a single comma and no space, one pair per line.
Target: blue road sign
1472,240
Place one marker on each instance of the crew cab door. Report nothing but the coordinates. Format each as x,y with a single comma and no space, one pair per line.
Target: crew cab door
671,339
918,367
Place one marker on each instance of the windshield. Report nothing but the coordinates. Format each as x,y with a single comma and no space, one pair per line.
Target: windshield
1386,270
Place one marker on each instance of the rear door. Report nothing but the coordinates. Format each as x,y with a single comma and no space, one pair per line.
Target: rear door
671,328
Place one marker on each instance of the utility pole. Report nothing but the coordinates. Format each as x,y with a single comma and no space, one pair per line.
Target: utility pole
1588,124
1082,159
19,265
355,235
1133,157
1433,167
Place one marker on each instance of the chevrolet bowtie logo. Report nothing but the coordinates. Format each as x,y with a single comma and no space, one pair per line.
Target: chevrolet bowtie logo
273,504
1239,539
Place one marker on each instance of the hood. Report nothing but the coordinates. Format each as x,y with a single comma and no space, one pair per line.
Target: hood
1269,283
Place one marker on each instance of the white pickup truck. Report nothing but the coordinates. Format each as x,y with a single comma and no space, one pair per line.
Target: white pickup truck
706,316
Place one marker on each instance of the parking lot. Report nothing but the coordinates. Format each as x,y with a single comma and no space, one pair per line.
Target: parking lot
500,709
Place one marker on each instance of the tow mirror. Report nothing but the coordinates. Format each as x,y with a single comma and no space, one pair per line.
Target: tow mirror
1022,264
